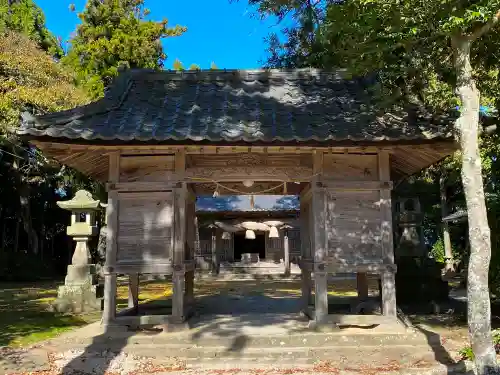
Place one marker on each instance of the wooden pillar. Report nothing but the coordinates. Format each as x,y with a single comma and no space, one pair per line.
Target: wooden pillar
215,258
388,276
133,292
306,286
286,249
389,307
178,300
319,242
109,312
305,244
189,288
213,248
320,274
179,278
362,285
191,229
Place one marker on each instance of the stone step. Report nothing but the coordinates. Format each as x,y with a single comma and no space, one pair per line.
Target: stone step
239,350
320,370
258,342
231,358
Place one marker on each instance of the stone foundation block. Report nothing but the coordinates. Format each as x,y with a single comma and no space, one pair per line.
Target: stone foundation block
78,298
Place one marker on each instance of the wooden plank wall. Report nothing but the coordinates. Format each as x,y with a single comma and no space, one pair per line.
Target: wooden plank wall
274,248
294,243
348,167
146,168
353,227
353,217
353,212
145,228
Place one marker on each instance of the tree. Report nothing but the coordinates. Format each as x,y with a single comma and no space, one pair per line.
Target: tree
25,17
178,65
424,53
213,66
115,34
194,67
30,80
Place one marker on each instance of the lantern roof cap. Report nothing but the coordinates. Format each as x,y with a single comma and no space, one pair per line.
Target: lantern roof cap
81,201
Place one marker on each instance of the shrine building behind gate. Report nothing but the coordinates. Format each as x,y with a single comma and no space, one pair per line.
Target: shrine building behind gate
160,139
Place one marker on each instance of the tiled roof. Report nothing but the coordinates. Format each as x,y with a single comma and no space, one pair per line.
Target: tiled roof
229,106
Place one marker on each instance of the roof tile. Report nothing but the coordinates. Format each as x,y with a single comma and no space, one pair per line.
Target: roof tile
251,106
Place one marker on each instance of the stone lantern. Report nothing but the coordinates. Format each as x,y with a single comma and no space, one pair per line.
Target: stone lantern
79,292
409,219
418,279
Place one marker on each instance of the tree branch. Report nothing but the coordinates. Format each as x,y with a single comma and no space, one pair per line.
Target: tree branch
479,32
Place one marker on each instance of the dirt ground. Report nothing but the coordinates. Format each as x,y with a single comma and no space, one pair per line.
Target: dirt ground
250,296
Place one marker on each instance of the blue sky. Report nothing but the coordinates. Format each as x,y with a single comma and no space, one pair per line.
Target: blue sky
218,30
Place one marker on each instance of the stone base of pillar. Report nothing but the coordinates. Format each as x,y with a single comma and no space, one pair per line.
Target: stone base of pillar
80,292
175,326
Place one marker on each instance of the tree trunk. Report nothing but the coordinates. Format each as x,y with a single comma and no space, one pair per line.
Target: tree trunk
24,199
16,238
467,126
25,211
446,231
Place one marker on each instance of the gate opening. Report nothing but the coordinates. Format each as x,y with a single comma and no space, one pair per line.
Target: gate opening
243,245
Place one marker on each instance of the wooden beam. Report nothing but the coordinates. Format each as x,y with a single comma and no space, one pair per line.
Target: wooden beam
114,167
371,268
356,185
142,186
318,162
206,149
255,173
141,268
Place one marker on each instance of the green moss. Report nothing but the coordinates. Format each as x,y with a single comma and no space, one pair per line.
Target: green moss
25,317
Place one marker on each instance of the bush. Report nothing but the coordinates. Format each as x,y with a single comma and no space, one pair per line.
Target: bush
467,353
437,251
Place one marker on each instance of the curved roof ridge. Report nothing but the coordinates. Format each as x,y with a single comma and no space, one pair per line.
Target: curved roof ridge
242,74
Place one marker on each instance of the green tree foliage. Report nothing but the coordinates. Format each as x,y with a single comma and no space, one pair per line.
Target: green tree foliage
425,53
30,80
25,17
178,65
115,34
